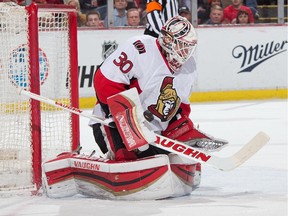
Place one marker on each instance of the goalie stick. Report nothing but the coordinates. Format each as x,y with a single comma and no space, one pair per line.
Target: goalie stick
109,122
173,146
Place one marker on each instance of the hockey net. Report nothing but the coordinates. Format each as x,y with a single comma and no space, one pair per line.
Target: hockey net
38,52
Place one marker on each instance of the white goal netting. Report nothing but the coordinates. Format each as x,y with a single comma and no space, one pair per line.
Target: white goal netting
18,120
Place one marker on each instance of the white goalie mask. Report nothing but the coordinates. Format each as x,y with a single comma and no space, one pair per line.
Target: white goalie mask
178,39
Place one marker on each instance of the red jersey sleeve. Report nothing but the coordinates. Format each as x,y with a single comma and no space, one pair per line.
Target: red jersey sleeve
105,88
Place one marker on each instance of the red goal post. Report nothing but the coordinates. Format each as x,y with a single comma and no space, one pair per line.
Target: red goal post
38,52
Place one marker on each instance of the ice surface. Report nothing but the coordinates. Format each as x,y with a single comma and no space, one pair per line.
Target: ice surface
257,188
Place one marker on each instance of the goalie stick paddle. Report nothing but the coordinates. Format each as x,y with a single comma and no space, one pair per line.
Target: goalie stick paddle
173,146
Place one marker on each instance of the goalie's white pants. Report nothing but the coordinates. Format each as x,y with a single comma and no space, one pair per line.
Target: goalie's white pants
155,177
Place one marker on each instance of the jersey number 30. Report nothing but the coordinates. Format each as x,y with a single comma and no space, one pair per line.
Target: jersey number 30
124,64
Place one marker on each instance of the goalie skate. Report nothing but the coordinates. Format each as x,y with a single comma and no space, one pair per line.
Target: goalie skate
208,145
206,142
184,130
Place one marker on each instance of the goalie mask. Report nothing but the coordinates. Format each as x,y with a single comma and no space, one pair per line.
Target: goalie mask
178,39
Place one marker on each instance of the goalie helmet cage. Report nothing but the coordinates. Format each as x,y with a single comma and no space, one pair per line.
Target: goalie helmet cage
38,52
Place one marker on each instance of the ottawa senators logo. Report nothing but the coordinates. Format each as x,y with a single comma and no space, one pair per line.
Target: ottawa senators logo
139,46
168,101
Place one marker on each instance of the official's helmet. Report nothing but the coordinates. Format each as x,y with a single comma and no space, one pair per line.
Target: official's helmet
178,39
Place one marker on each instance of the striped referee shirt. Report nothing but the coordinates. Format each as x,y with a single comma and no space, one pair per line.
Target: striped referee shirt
158,12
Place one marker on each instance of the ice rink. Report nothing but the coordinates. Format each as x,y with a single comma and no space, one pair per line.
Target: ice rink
257,188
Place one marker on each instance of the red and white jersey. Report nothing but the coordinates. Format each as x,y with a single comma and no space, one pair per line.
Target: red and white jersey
140,63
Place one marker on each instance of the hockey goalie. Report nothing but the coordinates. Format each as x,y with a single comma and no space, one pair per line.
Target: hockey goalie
144,86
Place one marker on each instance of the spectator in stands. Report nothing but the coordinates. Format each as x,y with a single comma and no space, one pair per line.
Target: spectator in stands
87,5
231,11
203,9
141,5
203,12
119,13
225,3
242,17
133,17
131,4
252,4
94,19
81,18
185,12
157,14
212,3
216,15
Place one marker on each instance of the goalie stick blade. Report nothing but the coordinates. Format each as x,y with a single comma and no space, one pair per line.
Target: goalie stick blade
246,152
220,163
251,148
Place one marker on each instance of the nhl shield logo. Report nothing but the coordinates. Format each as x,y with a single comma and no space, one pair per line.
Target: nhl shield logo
108,48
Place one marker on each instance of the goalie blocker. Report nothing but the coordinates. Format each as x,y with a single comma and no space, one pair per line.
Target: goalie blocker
135,132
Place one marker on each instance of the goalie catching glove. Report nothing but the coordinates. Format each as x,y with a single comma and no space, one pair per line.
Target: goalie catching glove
185,131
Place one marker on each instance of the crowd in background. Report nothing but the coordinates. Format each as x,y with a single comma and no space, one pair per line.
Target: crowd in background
93,13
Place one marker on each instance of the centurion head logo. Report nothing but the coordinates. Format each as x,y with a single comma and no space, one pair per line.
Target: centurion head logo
253,56
168,101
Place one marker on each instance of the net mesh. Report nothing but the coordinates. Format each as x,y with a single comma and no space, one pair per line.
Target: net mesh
16,158
15,132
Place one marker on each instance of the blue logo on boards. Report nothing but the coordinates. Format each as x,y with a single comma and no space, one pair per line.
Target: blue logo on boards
19,66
